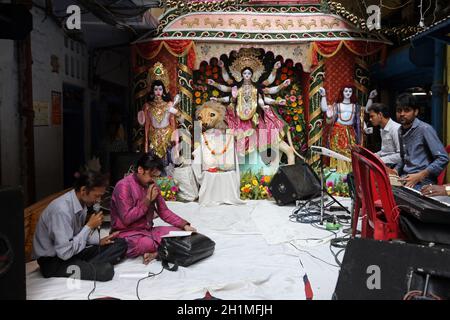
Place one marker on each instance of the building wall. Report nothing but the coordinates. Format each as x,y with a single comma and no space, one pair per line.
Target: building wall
10,134
76,67
48,40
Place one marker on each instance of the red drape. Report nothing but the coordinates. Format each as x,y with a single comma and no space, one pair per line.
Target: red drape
178,48
330,48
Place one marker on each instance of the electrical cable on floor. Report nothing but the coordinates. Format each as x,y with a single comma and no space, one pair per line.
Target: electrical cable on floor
150,275
308,213
313,256
95,270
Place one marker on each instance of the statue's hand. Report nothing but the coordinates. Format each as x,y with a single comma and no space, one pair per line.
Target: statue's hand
330,112
211,82
373,94
265,107
234,92
286,83
220,63
282,102
141,118
176,100
180,119
277,65
322,92
266,90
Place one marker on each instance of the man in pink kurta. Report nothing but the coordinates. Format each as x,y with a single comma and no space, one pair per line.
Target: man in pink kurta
135,202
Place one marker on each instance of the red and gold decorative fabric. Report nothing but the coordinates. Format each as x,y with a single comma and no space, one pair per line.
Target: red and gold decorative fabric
329,49
342,137
177,48
339,70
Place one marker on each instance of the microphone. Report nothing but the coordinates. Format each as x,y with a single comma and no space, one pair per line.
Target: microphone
97,208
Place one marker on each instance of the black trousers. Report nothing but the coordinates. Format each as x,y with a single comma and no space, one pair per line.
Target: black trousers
93,263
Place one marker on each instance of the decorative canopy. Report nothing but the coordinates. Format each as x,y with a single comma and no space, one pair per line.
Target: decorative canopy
297,32
258,24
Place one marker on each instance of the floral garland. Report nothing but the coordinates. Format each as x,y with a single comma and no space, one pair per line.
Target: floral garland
214,152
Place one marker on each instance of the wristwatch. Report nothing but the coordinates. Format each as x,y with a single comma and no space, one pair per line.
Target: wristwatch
447,189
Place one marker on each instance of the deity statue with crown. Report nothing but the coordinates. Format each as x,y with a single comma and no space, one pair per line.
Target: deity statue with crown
249,113
159,112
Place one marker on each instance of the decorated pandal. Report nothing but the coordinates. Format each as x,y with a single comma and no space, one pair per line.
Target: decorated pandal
290,76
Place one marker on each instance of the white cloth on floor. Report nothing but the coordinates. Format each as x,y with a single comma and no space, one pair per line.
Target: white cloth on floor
243,267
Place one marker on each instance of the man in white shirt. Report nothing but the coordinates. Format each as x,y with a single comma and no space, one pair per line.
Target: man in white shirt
390,146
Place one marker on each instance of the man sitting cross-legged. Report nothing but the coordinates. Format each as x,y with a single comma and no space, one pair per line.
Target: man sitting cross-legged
65,245
135,202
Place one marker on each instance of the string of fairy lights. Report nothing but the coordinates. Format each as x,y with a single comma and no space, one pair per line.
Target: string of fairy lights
400,31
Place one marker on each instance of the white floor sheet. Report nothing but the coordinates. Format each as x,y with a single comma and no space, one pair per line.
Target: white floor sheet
255,258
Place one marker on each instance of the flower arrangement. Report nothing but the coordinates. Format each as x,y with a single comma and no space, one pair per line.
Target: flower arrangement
293,112
338,188
169,189
255,186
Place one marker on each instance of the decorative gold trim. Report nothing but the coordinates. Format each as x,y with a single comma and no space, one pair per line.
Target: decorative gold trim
214,24
316,113
185,69
288,23
158,72
314,139
261,25
307,25
190,23
237,24
186,92
329,24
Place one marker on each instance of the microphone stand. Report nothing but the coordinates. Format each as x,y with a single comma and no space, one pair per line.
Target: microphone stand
324,191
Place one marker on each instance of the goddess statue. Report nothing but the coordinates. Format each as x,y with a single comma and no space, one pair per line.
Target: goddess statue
158,113
347,122
249,113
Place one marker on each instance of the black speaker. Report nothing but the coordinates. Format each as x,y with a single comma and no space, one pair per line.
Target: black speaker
12,246
382,270
16,21
294,182
121,163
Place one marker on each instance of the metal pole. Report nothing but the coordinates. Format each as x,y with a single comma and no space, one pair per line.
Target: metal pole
438,87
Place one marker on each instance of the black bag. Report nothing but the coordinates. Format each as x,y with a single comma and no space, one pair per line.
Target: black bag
184,251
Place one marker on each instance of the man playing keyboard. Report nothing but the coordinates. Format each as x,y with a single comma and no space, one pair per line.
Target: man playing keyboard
423,157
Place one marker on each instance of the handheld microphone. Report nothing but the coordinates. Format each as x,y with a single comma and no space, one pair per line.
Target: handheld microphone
97,208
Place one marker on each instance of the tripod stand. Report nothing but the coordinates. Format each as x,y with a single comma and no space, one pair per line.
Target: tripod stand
322,195
323,191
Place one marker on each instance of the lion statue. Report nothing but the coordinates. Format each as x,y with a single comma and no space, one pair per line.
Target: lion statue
211,115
